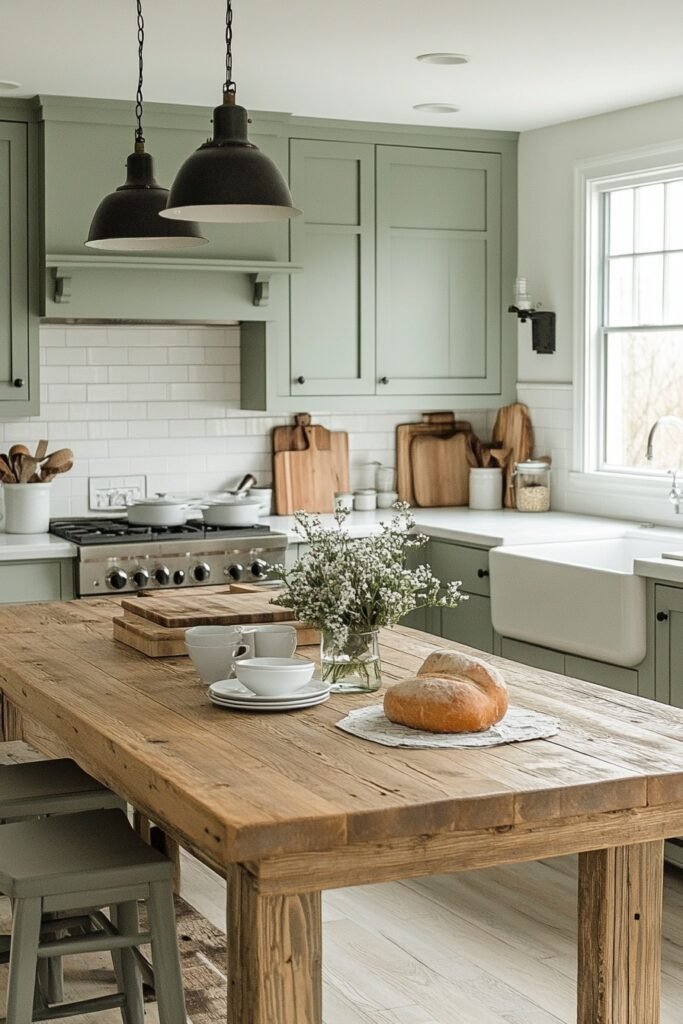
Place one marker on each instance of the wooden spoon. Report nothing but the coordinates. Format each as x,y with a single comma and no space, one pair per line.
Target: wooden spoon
41,450
58,462
19,449
28,466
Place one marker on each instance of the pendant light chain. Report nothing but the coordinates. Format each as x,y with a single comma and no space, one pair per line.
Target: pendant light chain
139,136
228,86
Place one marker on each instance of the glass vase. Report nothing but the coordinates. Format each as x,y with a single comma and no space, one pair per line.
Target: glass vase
354,668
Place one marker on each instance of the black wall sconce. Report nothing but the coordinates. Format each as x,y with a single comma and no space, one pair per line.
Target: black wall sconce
542,321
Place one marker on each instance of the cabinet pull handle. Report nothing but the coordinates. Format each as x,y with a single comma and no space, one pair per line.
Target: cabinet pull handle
384,380
662,616
481,573
300,380
18,382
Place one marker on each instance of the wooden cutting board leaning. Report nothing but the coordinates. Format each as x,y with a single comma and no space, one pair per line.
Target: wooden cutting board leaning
436,424
441,469
295,487
513,431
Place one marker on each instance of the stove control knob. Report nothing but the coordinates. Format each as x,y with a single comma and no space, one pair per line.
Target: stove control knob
163,576
140,578
117,579
179,576
235,571
259,568
201,572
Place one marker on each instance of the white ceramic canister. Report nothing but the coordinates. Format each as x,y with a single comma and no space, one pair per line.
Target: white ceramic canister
365,500
27,508
486,488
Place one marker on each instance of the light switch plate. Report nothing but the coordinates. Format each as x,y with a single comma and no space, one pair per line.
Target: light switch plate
114,492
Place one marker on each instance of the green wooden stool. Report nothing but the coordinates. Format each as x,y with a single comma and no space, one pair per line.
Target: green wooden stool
90,860
39,788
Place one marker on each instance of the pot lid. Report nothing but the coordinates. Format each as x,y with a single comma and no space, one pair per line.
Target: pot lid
231,500
161,501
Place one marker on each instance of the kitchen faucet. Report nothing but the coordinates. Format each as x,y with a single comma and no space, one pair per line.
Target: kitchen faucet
676,492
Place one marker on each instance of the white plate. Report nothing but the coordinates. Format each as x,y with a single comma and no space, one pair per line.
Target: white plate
232,690
282,706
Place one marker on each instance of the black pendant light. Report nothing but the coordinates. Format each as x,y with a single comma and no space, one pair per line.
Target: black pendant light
228,179
128,219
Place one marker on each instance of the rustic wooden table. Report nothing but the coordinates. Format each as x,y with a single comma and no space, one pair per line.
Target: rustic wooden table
287,805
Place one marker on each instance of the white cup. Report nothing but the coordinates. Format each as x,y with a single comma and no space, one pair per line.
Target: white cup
214,650
27,508
272,641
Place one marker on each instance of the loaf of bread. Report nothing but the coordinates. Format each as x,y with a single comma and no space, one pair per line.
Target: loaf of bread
452,692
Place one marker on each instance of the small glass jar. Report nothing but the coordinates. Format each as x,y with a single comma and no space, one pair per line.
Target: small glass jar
532,486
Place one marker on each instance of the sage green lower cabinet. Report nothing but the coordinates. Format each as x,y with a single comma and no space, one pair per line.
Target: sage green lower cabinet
669,645
531,654
616,677
49,580
438,271
469,623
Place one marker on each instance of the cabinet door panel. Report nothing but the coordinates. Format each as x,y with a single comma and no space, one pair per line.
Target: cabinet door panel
530,654
469,623
457,562
614,676
30,581
14,267
332,299
669,645
438,271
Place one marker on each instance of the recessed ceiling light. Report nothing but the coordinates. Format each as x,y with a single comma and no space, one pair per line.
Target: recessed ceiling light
6,84
443,58
436,108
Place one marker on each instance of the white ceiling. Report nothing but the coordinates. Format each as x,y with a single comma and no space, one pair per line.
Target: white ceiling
533,62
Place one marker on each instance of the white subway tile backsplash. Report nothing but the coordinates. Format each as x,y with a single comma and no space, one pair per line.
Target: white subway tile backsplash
164,401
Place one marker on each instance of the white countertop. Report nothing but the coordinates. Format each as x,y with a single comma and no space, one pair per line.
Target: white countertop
15,547
485,529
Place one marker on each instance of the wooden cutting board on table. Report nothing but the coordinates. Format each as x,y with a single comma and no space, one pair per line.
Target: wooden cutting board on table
293,439
433,424
183,609
305,479
441,469
513,431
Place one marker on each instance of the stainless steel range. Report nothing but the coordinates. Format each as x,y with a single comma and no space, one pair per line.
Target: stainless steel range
115,557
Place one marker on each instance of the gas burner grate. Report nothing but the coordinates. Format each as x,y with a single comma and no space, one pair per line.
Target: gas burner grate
92,531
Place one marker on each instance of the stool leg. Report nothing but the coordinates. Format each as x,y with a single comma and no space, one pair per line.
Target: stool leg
23,961
55,980
125,919
168,980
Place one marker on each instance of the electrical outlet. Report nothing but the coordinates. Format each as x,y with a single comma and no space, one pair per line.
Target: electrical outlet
109,493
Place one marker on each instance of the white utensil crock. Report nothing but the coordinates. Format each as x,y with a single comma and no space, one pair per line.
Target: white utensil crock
27,508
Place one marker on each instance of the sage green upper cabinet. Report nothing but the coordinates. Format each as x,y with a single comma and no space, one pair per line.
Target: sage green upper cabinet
332,299
438,271
19,389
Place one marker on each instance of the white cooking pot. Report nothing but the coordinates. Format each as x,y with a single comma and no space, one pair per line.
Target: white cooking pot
229,511
163,510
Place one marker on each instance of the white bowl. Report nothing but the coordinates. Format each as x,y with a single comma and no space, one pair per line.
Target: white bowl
273,677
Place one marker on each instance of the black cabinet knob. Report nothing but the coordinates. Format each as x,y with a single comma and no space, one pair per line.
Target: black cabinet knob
384,380
481,573
18,382
662,616
300,380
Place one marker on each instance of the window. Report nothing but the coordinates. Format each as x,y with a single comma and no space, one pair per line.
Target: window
634,320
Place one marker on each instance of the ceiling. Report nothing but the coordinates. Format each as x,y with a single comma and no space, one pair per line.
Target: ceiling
533,62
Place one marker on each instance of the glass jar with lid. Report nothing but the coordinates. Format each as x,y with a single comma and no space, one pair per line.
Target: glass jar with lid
532,486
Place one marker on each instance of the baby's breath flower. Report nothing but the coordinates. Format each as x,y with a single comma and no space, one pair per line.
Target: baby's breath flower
343,585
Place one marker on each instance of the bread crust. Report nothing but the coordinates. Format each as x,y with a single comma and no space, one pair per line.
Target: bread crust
452,692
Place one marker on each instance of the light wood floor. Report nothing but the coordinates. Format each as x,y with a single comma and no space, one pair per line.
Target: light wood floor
486,947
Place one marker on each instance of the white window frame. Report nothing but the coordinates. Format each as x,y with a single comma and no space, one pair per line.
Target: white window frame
591,179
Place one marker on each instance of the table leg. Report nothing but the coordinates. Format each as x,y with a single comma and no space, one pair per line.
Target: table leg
274,955
620,934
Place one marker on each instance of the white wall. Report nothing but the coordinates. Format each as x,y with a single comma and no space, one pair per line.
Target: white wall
164,401
547,158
